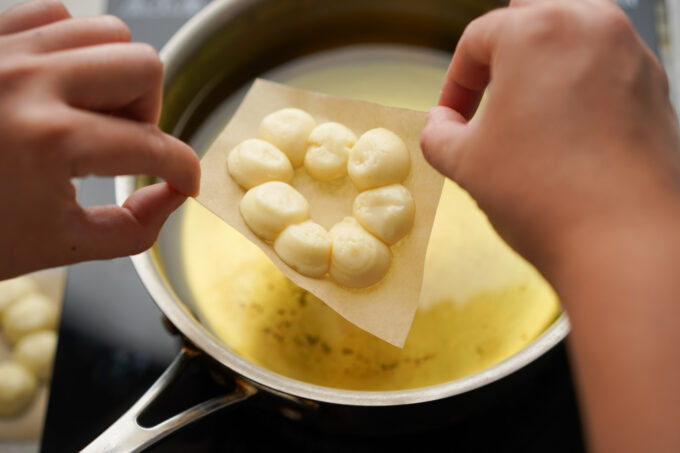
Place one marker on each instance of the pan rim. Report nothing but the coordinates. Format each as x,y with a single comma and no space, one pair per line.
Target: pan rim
183,43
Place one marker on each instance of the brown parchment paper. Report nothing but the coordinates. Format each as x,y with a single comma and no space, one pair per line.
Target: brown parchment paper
385,309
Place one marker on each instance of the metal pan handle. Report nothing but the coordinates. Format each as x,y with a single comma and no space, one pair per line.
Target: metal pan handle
127,435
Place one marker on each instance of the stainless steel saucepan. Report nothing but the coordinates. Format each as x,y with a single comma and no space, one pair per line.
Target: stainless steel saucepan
349,47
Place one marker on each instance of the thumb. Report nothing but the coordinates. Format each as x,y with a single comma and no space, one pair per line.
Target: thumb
113,231
442,140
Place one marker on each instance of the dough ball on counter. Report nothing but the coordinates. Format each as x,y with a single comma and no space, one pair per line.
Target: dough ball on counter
269,208
358,259
329,145
288,129
306,247
14,289
36,351
254,162
379,158
17,388
387,212
27,315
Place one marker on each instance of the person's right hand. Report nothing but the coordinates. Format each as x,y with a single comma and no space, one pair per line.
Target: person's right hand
578,134
77,98
575,157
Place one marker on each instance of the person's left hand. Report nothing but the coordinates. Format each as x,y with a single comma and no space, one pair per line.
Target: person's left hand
77,98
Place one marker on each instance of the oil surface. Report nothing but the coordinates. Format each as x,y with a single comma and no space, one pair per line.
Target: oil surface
480,303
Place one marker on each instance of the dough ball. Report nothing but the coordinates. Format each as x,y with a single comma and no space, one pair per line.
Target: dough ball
14,289
270,207
329,145
358,259
29,314
306,247
386,212
17,388
378,158
36,352
288,129
254,162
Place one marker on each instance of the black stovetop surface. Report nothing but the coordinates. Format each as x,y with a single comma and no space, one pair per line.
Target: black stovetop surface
113,345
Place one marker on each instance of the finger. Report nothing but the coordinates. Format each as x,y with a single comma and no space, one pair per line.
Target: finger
32,14
110,146
112,231
442,140
122,78
73,33
469,71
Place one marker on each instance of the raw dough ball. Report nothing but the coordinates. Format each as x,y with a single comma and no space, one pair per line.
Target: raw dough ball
270,207
329,145
17,388
305,247
29,314
357,259
36,353
386,212
288,129
254,162
14,289
378,158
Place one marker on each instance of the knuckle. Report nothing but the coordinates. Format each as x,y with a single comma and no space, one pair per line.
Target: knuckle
474,26
612,23
116,26
143,240
661,77
151,60
426,139
548,24
155,143
44,125
44,131
54,9
17,70
146,51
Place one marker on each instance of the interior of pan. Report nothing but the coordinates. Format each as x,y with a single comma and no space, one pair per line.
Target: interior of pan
484,312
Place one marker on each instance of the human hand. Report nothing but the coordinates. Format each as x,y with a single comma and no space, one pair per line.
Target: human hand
77,98
575,159
577,136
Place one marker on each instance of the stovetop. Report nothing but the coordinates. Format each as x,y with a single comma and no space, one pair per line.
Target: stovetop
113,345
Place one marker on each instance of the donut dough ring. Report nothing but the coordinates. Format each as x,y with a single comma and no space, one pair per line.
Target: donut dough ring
355,253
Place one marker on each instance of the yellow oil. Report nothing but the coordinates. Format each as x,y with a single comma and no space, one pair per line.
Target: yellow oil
480,304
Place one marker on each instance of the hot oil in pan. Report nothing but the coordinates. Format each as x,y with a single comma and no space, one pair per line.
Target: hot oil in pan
481,302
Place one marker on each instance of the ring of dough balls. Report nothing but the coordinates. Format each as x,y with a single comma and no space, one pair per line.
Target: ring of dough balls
30,314
355,252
